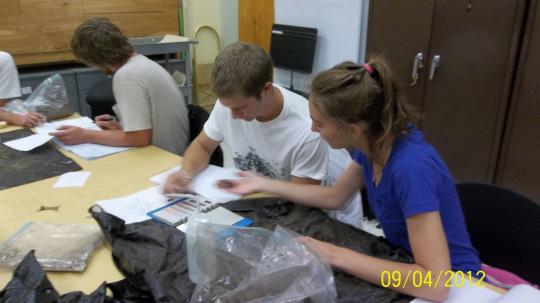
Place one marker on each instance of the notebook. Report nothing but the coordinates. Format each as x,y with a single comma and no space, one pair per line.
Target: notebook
177,212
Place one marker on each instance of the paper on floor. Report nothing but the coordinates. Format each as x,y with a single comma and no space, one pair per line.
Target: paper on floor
72,179
205,183
28,143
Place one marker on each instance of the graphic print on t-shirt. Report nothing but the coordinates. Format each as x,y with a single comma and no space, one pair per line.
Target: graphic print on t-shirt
252,162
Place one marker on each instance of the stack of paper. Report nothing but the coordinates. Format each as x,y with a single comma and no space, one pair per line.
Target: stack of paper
87,151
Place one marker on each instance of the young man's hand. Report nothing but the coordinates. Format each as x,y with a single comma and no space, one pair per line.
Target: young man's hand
107,122
28,119
70,135
177,183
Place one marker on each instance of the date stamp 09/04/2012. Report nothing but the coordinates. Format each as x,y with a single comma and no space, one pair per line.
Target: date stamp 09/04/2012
417,279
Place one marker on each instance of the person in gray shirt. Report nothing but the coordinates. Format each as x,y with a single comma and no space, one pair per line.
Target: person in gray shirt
149,105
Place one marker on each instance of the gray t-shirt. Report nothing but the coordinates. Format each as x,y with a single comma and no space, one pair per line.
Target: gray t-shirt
147,97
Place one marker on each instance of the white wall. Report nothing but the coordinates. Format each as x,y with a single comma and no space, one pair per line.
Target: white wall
229,21
342,28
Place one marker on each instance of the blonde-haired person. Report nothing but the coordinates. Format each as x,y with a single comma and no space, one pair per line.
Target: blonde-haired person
149,105
410,189
266,127
10,88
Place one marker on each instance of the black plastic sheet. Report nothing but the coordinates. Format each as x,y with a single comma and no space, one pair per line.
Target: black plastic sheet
313,222
20,167
152,257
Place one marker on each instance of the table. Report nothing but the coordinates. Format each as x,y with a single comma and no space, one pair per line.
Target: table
113,176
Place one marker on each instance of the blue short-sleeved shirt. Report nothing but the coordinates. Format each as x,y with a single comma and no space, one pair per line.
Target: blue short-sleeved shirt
415,180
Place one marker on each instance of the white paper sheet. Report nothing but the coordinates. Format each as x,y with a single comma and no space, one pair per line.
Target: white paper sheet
162,178
173,38
87,151
476,294
73,179
521,293
205,183
28,143
133,208
467,291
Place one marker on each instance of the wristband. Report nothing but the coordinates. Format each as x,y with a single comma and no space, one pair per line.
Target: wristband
184,176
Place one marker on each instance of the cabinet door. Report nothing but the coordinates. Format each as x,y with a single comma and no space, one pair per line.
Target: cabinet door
519,168
255,21
466,98
400,30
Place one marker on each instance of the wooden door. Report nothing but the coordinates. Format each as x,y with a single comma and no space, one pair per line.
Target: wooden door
256,20
519,167
400,30
466,98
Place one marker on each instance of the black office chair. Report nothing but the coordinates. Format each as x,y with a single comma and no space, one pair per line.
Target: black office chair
100,98
197,118
504,227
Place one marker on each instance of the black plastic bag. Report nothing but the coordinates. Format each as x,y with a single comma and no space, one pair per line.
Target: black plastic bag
30,284
152,257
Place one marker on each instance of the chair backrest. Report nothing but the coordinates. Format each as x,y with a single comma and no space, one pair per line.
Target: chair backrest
197,118
100,98
504,227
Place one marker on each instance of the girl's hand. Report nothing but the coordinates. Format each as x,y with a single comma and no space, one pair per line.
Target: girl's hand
323,249
248,184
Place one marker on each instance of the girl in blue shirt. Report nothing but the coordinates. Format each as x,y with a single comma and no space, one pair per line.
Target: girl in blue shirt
410,189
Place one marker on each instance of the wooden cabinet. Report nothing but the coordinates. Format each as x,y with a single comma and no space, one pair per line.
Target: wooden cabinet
519,165
39,31
468,51
401,31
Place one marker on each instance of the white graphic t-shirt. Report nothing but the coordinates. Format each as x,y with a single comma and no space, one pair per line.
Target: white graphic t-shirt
285,147
280,148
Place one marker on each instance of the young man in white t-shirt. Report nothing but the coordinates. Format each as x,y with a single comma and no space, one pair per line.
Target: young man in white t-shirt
266,127
10,88
149,105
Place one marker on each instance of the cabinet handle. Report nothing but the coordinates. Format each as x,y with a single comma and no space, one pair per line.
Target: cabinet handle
417,66
434,65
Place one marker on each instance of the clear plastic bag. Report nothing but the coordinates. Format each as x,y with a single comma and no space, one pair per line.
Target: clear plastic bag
235,264
59,247
49,98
